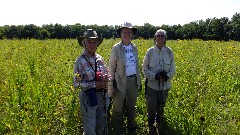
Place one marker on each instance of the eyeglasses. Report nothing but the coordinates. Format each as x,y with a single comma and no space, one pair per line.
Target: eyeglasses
160,35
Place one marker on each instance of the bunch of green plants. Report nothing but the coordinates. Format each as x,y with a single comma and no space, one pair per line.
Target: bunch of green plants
37,95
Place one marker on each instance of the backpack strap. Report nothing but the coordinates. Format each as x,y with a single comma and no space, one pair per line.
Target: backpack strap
95,70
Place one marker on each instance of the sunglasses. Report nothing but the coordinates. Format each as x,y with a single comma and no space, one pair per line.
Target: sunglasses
160,35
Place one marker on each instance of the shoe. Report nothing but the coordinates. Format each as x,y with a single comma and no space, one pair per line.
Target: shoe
160,129
152,130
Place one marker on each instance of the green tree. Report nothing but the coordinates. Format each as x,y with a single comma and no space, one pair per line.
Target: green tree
217,29
12,32
68,31
43,34
171,31
147,31
58,31
1,33
30,31
78,30
49,28
234,33
188,31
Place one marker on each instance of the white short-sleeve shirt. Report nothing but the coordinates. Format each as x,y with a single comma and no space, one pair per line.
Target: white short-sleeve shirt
130,60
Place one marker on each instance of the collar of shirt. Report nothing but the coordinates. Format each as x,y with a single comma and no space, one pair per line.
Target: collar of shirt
126,45
92,59
163,48
86,54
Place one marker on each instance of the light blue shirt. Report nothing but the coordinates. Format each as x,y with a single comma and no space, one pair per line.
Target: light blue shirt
157,60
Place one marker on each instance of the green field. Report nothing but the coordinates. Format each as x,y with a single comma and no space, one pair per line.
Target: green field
37,96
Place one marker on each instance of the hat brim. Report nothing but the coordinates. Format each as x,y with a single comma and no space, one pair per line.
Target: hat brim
134,30
80,40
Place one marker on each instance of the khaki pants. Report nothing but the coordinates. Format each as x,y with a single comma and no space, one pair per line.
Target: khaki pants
156,101
131,99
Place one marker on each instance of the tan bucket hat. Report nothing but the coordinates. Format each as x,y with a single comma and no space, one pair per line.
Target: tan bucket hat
89,33
127,25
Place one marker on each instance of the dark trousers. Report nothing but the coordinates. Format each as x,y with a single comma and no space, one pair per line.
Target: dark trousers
156,101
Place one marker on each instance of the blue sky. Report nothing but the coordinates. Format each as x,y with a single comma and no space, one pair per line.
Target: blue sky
111,12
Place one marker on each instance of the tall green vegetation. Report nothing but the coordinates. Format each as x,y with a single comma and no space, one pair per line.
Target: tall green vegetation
37,96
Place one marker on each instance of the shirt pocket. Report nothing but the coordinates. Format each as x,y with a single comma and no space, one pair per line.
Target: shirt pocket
88,73
167,65
153,61
153,66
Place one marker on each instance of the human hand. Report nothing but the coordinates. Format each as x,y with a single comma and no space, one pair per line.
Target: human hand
161,80
106,77
164,76
101,84
157,76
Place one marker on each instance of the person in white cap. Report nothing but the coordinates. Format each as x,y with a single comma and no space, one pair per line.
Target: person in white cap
126,79
91,77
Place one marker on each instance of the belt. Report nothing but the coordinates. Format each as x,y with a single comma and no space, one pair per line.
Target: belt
100,90
97,90
134,75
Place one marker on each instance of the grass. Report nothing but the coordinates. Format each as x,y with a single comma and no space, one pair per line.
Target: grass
37,96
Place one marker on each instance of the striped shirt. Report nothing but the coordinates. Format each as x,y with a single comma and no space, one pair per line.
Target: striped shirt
84,70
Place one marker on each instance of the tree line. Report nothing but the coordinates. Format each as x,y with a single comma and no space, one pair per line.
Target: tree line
209,29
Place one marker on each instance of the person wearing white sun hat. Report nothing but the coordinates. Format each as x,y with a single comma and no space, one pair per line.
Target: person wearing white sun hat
126,79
